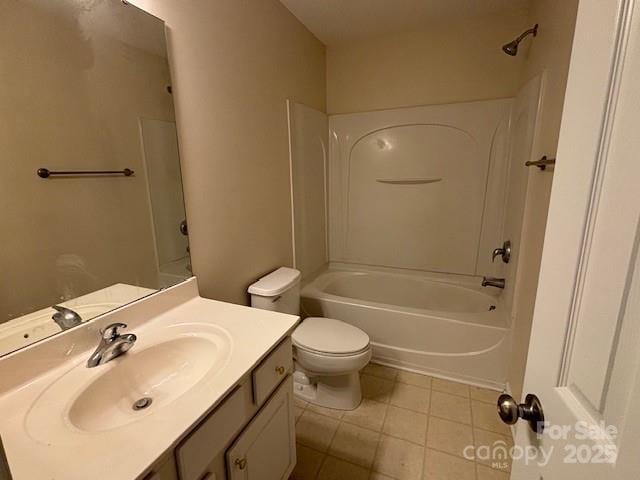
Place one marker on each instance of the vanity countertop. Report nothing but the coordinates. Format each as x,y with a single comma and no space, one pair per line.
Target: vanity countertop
46,428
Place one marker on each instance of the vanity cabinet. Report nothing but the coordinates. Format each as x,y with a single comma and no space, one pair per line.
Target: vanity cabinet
249,436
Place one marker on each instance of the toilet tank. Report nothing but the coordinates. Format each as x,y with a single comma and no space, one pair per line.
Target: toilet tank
278,291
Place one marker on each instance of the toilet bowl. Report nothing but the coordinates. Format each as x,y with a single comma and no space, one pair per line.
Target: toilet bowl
328,353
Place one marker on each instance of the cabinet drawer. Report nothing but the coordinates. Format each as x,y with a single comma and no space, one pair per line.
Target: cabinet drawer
273,369
208,439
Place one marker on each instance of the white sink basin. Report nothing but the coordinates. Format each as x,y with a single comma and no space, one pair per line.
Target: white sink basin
159,373
155,373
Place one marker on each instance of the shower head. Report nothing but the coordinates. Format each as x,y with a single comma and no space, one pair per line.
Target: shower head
511,48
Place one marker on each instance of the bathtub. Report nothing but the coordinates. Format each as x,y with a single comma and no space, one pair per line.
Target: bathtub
448,327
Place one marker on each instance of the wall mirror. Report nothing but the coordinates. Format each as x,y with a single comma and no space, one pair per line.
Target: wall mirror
90,186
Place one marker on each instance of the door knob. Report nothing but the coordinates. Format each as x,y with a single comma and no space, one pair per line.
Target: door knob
504,252
184,229
531,411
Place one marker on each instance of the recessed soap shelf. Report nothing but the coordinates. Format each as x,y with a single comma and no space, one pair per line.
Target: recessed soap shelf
408,181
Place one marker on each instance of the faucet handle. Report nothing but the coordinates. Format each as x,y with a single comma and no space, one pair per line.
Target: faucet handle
504,252
111,331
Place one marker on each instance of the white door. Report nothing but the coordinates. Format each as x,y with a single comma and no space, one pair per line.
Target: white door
584,357
265,450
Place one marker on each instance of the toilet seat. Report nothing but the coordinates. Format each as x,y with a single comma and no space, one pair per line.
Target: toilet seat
326,336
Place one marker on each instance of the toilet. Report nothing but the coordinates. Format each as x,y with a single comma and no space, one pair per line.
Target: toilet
328,353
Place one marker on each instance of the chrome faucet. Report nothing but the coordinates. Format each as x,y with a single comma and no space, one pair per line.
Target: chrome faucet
65,317
112,345
493,282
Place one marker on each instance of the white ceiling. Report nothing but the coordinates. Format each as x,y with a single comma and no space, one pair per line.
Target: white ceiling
335,22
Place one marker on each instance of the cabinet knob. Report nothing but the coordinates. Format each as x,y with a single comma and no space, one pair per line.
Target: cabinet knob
280,370
241,463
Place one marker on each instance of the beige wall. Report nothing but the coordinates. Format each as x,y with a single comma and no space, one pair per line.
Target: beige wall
72,98
449,62
234,63
549,53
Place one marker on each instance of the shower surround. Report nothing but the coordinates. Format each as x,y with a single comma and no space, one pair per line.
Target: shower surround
419,188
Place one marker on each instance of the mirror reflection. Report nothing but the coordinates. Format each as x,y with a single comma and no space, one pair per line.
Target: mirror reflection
91,192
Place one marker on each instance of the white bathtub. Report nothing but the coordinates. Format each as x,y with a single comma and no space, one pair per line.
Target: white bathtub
443,327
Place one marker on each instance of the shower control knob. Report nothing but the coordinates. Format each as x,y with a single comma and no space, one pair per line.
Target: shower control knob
504,252
531,411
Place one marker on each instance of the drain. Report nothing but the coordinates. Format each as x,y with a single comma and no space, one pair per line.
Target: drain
492,307
143,403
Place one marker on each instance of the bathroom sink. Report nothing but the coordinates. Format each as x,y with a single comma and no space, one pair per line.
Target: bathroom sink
153,375
142,381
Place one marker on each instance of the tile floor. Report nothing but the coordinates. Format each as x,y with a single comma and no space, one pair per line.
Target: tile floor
408,427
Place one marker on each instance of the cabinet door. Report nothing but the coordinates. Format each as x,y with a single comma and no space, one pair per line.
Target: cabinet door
208,441
265,450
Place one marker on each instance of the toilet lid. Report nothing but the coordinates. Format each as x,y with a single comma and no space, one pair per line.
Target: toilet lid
329,336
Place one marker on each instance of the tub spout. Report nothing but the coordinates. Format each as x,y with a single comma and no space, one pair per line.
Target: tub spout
493,282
